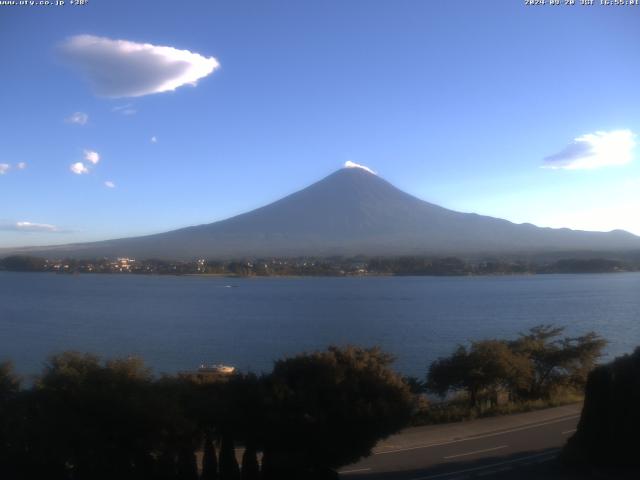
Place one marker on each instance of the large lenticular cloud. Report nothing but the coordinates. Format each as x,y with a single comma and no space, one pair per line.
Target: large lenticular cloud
120,68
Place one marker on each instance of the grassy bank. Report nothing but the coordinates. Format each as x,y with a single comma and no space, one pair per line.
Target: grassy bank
458,409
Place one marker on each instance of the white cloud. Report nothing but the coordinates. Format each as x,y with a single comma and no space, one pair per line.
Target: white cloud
121,68
109,184
91,156
29,227
79,118
5,167
36,227
350,164
125,109
595,150
154,139
79,168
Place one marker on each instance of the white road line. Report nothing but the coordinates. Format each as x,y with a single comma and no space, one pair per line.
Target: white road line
487,435
475,452
485,467
567,432
355,470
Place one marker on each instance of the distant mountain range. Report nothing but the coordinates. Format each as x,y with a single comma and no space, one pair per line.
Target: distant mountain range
350,212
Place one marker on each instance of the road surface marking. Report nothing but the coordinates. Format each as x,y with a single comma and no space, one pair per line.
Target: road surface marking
476,452
484,467
503,432
567,432
355,470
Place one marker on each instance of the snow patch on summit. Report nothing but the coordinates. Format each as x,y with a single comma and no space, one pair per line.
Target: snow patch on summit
350,164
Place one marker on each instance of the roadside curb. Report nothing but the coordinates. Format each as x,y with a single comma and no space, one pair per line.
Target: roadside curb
432,435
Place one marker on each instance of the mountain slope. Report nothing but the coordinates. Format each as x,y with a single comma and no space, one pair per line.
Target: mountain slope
350,212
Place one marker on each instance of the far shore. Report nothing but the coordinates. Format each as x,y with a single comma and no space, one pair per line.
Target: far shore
365,275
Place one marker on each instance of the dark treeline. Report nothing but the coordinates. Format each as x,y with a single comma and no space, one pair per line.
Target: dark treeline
330,266
88,419
607,434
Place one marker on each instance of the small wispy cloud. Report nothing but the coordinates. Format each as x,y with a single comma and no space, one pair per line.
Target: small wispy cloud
78,118
350,164
91,156
109,184
79,168
122,68
6,167
594,150
24,226
154,139
125,109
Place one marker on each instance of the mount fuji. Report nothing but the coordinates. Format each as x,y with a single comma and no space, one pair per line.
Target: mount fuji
352,211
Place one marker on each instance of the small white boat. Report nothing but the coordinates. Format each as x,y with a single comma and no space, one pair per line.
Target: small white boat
218,368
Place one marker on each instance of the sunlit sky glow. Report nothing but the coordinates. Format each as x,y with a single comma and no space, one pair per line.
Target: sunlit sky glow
124,118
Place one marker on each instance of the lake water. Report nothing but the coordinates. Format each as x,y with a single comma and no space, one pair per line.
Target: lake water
175,323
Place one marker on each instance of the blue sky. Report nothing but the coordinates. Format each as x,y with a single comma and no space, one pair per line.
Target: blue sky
520,112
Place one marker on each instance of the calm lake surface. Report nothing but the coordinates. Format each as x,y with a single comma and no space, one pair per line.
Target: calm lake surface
175,323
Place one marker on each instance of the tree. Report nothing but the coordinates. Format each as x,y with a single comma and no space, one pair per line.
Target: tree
416,386
187,467
209,460
488,365
557,361
330,408
23,263
229,469
101,420
9,383
9,428
608,428
250,467
233,409
530,367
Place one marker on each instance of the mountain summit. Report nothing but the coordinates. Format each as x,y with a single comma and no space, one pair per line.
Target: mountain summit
352,211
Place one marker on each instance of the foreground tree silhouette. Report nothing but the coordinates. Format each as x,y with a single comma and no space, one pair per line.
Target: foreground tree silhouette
9,390
9,383
85,419
101,416
607,434
328,409
209,459
250,466
229,469
88,420
186,466
234,409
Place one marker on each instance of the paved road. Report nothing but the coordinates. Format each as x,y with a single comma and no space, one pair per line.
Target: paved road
476,449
